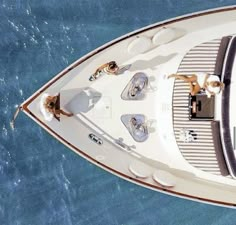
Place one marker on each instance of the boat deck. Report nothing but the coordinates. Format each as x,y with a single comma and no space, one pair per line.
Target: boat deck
205,152
201,153
101,107
106,113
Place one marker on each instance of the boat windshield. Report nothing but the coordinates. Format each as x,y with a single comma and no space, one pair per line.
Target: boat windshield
229,109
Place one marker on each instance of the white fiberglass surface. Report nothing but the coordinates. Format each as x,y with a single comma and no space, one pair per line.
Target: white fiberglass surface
106,110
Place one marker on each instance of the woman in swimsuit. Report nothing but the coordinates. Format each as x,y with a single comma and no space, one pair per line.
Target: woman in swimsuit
209,83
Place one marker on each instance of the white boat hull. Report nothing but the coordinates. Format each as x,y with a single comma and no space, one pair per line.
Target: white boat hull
97,133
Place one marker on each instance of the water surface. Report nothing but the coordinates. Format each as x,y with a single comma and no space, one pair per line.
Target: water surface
41,181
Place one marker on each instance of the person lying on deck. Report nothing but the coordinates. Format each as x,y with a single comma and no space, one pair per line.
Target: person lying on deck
50,107
209,83
110,68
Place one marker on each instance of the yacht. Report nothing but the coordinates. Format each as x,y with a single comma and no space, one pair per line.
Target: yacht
144,125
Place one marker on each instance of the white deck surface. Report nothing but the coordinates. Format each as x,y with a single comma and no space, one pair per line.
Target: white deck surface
106,113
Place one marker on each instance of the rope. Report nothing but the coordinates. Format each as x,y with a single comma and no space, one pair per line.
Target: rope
12,123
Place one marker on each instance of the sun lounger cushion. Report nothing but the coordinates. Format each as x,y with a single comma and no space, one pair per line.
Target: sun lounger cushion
221,55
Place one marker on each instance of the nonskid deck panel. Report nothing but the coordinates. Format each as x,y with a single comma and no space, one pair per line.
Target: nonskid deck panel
201,153
201,58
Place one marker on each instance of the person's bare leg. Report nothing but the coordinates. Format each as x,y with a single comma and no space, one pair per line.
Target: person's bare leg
100,68
187,78
194,89
65,113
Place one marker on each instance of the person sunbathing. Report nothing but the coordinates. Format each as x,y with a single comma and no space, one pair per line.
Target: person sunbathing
110,68
49,108
209,83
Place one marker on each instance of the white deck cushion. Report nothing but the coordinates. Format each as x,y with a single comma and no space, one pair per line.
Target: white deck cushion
164,36
47,115
139,45
164,178
140,169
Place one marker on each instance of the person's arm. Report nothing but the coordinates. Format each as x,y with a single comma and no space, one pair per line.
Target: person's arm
205,81
56,113
65,113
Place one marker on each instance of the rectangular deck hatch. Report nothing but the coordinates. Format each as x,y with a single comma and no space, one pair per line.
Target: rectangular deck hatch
201,107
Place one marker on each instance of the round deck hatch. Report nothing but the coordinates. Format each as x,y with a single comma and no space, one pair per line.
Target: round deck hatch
140,170
164,178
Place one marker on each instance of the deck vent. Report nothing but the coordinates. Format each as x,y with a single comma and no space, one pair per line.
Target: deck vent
95,139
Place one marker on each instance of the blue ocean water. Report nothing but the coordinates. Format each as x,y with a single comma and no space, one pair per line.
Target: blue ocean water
41,181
